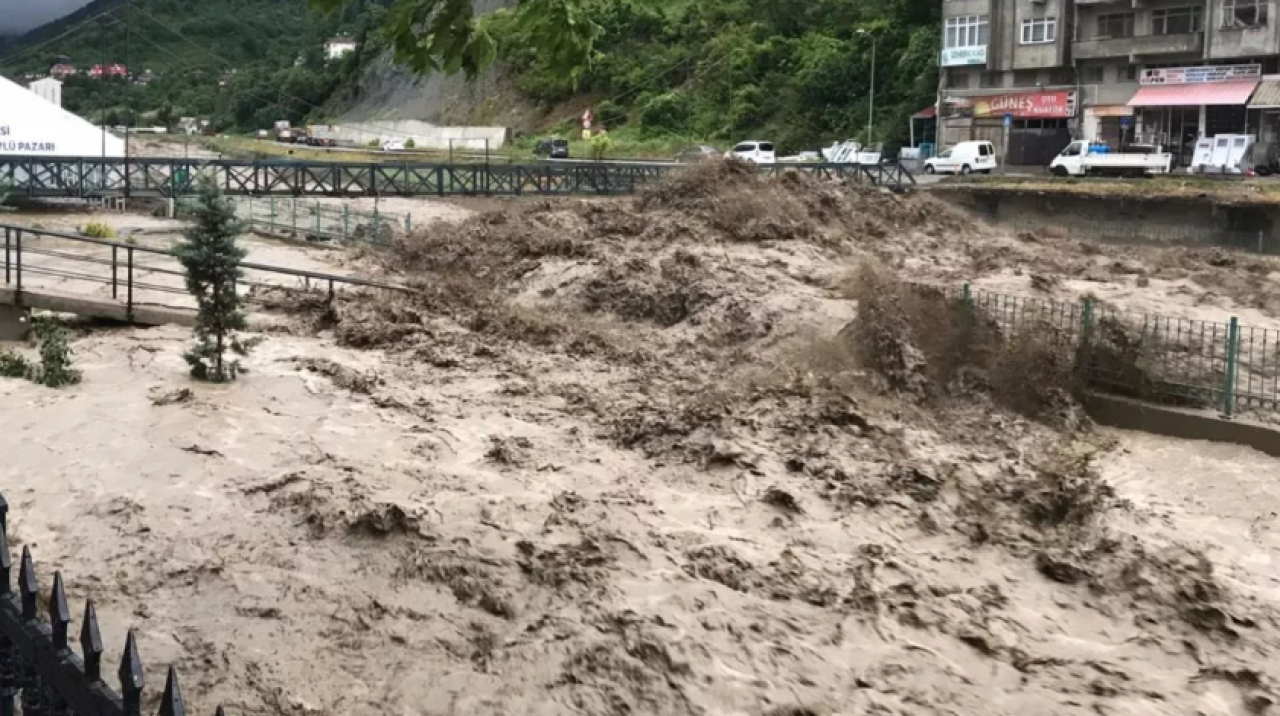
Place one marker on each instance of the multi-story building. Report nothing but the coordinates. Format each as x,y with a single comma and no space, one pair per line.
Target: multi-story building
1031,74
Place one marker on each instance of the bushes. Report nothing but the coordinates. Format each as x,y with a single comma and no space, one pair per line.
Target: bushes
98,230
665,114
610,114
54,369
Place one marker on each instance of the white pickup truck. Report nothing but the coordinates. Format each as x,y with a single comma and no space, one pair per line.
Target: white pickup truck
1081,159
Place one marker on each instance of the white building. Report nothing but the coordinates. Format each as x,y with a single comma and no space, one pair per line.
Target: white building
337,47
30,125
48,89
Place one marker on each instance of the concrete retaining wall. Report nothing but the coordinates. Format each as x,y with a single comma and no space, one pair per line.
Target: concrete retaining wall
1189,221
423,134
1184,424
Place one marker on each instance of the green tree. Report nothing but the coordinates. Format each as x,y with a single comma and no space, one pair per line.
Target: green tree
211,257
55,369
601,145
445,35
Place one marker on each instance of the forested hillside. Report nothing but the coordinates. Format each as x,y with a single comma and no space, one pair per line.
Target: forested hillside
192,49
794,71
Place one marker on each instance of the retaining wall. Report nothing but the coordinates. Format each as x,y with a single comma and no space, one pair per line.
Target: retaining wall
1124,218
423,134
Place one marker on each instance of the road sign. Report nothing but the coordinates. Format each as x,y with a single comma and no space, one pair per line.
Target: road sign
1126,122
1008,120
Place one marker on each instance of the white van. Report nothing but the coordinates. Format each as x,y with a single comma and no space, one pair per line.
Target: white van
963,158
753,151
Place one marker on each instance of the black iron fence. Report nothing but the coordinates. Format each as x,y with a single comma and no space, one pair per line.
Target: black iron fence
40,671
134,275
46,177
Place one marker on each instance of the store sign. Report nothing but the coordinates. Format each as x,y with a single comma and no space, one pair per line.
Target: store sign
1023,105
964,56
1199,75
13,145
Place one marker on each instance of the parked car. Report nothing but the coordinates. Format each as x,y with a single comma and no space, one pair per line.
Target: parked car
697,153
552,148
964,158
753,151
393,145
264,134
321,142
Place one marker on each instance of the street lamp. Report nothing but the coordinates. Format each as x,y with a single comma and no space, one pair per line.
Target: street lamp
871,111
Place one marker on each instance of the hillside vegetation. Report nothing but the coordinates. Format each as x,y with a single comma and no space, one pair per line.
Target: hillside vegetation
269,54
795,71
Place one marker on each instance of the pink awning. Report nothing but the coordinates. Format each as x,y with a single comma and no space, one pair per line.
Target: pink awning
1236,92
927,113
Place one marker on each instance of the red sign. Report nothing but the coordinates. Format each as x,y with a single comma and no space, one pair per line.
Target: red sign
1023,105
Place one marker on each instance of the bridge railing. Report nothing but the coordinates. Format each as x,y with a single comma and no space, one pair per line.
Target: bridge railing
136,275
315,221
97,176
39,668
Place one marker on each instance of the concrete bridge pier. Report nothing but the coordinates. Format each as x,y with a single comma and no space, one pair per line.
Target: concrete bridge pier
15,323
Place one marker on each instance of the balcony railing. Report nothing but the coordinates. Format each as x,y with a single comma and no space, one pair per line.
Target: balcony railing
1137,46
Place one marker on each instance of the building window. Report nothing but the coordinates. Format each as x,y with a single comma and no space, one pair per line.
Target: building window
1062,76
1118,24
1026,78
958,80
1244,13
1128,73
991,79
1038,30
1177,20
966,31
1092,74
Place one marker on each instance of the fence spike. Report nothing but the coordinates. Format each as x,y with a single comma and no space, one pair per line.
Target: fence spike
220,712
6,565
59,612
91,643
131,681
171,704
27,587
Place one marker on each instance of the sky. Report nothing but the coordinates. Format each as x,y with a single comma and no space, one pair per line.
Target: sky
21,15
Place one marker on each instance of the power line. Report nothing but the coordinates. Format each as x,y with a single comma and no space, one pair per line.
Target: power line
23,53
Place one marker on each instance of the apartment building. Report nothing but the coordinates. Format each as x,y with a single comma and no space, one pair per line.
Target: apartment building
1030,75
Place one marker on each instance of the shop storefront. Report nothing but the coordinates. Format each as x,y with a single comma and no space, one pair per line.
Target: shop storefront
1109,124
1027,128
1175,106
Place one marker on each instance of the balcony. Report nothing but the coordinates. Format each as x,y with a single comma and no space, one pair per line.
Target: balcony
1136,47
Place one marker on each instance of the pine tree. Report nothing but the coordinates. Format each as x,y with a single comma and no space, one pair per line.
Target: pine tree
211,257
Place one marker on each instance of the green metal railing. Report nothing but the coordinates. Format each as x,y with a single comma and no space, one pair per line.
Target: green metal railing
1180,361
317,221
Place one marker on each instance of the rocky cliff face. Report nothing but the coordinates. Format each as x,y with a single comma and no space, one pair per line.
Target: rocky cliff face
389,91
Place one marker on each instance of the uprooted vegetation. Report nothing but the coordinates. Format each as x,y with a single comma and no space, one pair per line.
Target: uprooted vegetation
728,436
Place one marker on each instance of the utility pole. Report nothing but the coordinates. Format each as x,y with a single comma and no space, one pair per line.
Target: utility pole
871,110
128,93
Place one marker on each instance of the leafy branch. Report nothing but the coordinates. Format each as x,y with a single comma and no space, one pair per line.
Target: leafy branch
446,36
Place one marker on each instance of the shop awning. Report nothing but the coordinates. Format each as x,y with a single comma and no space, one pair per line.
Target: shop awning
927,113
1195,94
1267,96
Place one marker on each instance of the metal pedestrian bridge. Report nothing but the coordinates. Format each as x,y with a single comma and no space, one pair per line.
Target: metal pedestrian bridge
96,177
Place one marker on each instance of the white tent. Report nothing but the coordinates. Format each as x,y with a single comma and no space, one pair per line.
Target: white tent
32,126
